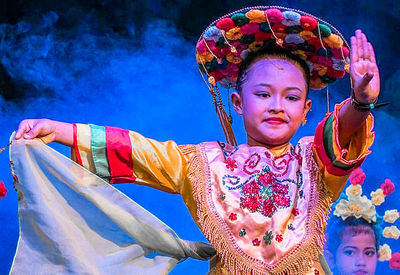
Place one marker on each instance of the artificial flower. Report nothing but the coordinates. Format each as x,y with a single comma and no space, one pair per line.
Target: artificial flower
279,28
357,176
245,53
233,58
335,73
227,82
300,54
291,18
377,197
358,207
385,253
225,24
353,191
394,262
213,33
256,16
240,19
294,38
256,45
250,28
387,187
274,15
3,190
391,216
308,23
204,58
334,41
306,35
339,64
323,29
262,36
391,232
234,34
340,53
247,39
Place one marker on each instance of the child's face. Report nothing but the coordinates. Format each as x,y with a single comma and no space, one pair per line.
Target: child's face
356,254
272,101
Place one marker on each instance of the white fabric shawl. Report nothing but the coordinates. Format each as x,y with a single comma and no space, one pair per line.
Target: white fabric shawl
73,222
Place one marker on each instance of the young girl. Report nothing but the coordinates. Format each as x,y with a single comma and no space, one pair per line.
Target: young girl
262,204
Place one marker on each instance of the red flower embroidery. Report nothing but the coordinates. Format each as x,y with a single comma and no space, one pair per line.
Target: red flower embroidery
233,217
230,164
268,208
251,203
279,238
3,190
316,271
357,176
295,211
266,179
394,262
256,242
280,188
251,188
387,187
281,200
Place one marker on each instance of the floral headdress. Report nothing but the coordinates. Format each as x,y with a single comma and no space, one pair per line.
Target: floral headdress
361,207
227,41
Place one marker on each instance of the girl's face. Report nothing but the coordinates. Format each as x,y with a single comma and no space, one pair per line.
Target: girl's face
356,254
273,101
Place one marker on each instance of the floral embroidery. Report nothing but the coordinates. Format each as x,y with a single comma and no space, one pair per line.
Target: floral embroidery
231,164
295,211
301,194
227,149
231,182
264,194
233,217
291,227
256,242
251,163
222,196
268,236
279,238
242,232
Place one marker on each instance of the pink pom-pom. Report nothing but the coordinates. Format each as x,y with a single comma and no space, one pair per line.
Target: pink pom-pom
3,190
394,262
357,176
387,187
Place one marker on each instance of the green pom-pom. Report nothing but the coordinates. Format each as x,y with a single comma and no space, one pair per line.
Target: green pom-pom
324,29
326,79
240,19
264,27
221,43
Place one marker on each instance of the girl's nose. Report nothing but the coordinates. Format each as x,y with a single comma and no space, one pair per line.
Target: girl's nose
275,104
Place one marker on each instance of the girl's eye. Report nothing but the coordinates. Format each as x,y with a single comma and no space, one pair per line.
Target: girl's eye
262,94
348,252
370,253
292,97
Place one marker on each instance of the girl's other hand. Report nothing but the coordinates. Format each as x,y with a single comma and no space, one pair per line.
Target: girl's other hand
47,130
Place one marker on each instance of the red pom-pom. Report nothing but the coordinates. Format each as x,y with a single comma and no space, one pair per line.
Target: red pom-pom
262,36
217,75
3,190
225,24
337,53
308,23
387,187
335,73
394,262
279,238
357,176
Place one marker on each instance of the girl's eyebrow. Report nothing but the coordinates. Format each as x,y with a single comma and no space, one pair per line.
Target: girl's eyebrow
270,86
349,246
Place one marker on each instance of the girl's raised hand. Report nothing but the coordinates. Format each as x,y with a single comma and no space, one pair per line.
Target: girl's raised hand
363,69
47,130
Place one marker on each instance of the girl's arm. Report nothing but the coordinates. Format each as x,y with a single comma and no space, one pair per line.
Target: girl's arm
47,130
366,83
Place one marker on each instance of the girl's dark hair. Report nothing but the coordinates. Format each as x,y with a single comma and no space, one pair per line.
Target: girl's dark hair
350,225
270,51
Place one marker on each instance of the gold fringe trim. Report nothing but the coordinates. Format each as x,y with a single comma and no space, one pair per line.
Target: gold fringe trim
298,261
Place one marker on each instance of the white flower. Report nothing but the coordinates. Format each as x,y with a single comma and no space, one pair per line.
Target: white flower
353,191
385,253
391,232
391,216
377,197
358,207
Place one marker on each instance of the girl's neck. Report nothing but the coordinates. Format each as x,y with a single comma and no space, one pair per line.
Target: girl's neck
276,150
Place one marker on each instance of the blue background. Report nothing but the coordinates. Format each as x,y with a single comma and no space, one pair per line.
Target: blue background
131,64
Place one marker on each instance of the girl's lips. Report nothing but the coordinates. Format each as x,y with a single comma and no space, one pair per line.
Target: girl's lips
275,120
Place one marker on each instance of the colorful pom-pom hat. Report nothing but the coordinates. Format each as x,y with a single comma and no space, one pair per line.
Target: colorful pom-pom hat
226,42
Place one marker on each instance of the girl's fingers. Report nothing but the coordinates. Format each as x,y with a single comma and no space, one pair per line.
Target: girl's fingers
359,47
22,128
365,48
371,53
353,52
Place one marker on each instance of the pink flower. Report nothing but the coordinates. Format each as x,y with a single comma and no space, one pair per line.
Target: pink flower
268,208
3,190
357,176
281,200
251,188
256,242
274,15
295,211
230,164
394,262
233,217
279,238
387,187
250,28
266,179
251,203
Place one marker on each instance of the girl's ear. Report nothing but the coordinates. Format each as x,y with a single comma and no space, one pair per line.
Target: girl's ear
237,102
330,259
307,107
